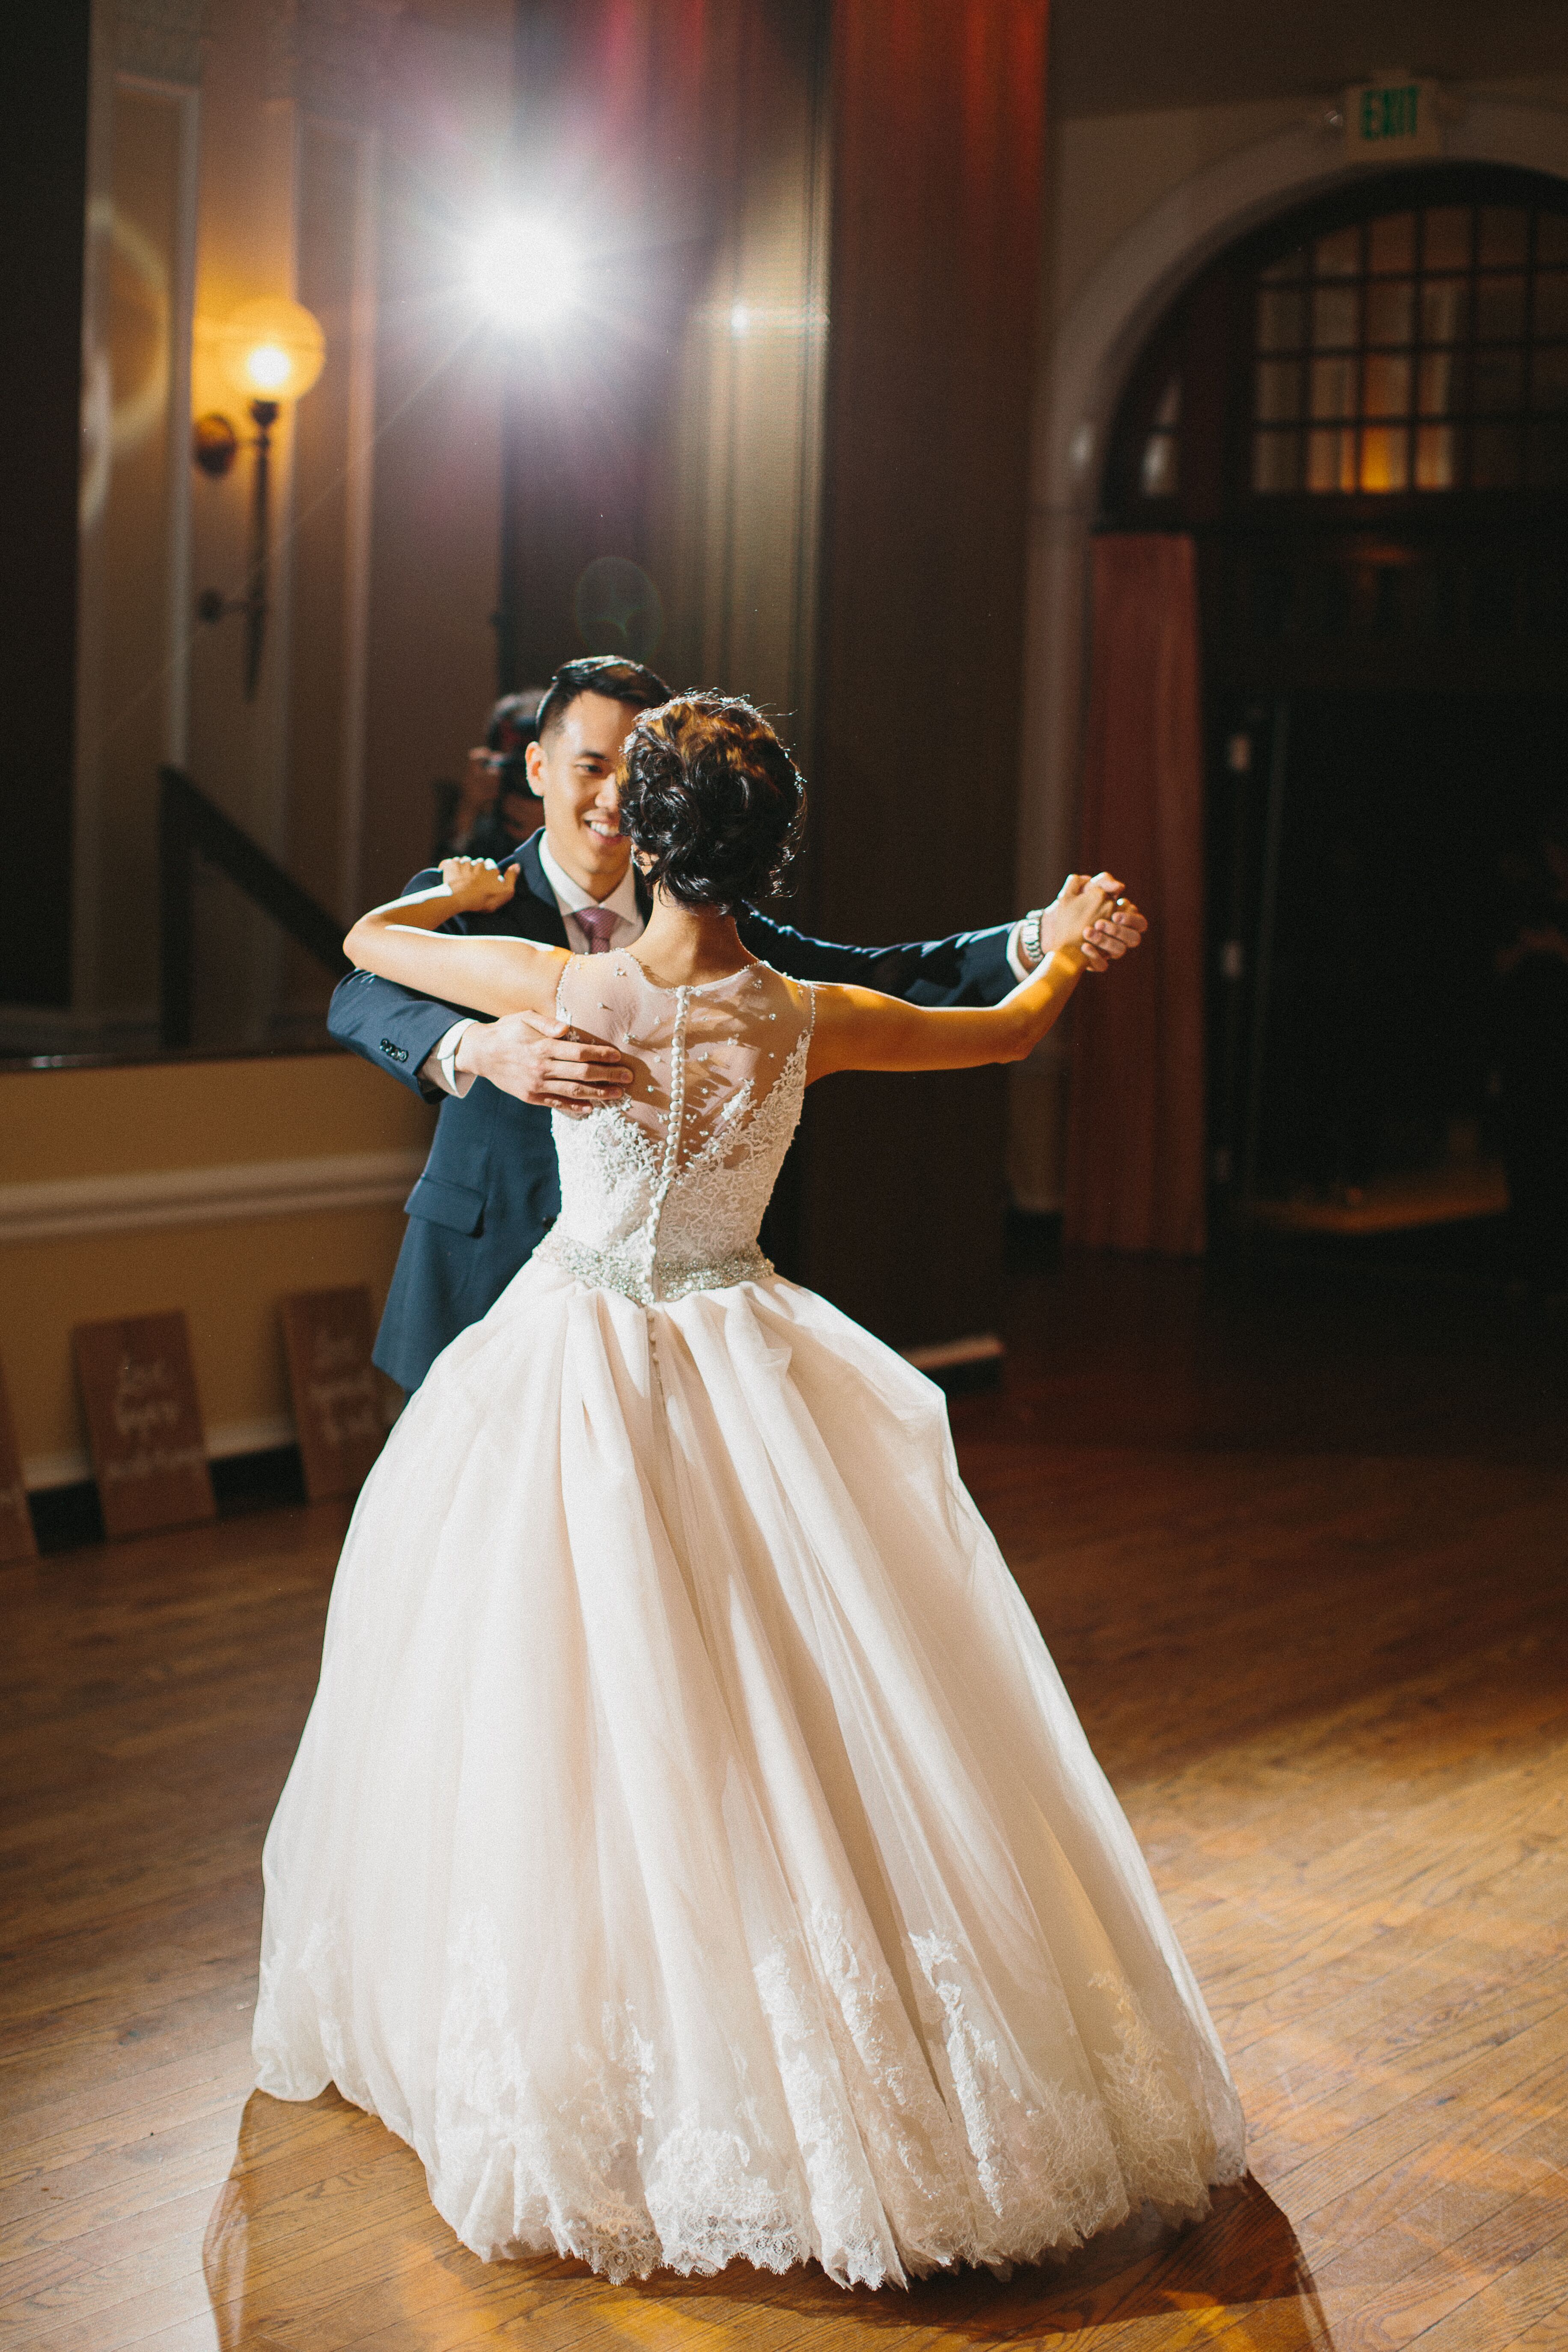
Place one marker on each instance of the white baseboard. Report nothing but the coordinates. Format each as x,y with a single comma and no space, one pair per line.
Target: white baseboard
46,1032
71,1468
980,1348
257,1436
40,1470
66,1208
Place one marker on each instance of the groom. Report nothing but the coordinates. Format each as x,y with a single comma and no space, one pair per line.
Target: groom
490,1187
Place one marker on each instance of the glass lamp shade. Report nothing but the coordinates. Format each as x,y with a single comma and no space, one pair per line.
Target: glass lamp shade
272,350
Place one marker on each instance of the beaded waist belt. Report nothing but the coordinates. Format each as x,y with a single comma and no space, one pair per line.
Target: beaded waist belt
625,1269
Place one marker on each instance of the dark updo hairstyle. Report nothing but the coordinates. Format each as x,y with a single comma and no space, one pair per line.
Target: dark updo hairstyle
711,800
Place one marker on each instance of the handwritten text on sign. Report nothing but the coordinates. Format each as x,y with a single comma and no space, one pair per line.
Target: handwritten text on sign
327,1336
144,1423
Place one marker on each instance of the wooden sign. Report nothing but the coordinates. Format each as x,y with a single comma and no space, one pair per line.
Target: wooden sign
17,1540
143,1424
327,1336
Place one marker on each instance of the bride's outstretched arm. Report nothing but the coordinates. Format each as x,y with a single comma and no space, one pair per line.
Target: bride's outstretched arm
498,975
857,1029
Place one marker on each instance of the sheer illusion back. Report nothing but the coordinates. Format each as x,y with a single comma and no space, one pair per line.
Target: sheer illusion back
663,1193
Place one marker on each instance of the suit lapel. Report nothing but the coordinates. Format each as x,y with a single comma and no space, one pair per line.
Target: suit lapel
533,912
541,919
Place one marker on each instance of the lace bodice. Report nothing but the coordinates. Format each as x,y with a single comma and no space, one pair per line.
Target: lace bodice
663,1193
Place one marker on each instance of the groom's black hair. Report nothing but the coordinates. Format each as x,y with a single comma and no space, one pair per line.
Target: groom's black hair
606,674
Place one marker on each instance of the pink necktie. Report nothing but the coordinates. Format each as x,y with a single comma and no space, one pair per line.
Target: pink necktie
597,925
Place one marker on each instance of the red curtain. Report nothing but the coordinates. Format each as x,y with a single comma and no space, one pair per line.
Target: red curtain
1135,1150
939,121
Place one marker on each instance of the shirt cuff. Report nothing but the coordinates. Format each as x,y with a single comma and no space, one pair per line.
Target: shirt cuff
1020,970
439,1067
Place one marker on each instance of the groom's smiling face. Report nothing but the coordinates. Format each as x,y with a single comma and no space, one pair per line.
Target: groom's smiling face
573,771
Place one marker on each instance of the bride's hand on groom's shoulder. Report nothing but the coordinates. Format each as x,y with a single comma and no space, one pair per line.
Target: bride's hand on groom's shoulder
478,885
1093,910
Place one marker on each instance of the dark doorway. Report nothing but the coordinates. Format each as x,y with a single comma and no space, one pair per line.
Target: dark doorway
1361,414
1403,820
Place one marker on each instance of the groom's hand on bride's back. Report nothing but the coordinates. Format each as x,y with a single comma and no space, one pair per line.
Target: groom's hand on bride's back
541,1063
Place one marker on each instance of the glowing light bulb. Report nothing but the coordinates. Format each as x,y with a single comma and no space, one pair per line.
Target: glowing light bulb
273,349
268,367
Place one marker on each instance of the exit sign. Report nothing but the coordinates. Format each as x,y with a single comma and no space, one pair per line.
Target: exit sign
1392,117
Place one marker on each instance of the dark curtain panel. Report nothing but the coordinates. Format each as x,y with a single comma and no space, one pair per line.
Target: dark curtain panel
1135,1153
938,111
43,173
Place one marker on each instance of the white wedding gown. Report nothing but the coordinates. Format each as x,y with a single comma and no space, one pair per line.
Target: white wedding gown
693,1851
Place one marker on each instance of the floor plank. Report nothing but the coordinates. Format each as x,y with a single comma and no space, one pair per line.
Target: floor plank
1301,1559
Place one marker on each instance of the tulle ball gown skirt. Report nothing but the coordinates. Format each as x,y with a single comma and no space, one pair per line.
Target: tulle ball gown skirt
693,1851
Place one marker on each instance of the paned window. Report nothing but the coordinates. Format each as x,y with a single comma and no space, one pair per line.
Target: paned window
1419,351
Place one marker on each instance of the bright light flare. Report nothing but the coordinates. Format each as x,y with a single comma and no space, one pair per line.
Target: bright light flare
526,273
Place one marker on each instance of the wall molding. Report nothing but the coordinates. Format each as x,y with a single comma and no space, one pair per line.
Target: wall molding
161,39
74,1208
331,57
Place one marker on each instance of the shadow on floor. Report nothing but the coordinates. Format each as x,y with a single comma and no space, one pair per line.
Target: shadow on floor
324,2223
1242,2255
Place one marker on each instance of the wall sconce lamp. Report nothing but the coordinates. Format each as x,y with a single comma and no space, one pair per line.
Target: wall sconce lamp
270,352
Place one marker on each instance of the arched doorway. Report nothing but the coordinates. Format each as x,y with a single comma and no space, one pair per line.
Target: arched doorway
1360,412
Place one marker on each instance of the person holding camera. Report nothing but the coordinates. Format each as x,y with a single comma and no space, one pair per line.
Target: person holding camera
494,807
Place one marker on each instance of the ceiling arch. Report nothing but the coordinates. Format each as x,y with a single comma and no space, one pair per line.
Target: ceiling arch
1106,324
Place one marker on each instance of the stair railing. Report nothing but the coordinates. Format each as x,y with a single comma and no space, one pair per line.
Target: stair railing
188,821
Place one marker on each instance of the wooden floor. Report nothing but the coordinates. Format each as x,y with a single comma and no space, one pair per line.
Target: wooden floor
1301,1554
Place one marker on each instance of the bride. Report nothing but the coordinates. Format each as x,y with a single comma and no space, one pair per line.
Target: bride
693,1851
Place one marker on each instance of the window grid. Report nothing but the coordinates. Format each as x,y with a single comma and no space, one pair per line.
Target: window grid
1425,349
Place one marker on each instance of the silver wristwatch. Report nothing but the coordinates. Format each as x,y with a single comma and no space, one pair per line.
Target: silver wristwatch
1029,938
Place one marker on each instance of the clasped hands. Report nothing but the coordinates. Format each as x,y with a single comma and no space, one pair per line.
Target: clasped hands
1103,941
540,1062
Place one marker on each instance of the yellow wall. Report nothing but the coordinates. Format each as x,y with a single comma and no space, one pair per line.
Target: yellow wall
227,1277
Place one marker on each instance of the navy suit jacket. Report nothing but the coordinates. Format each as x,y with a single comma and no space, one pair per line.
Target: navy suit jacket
491,1189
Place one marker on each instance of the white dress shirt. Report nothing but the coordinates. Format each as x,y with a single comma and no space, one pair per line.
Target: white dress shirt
439,1067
